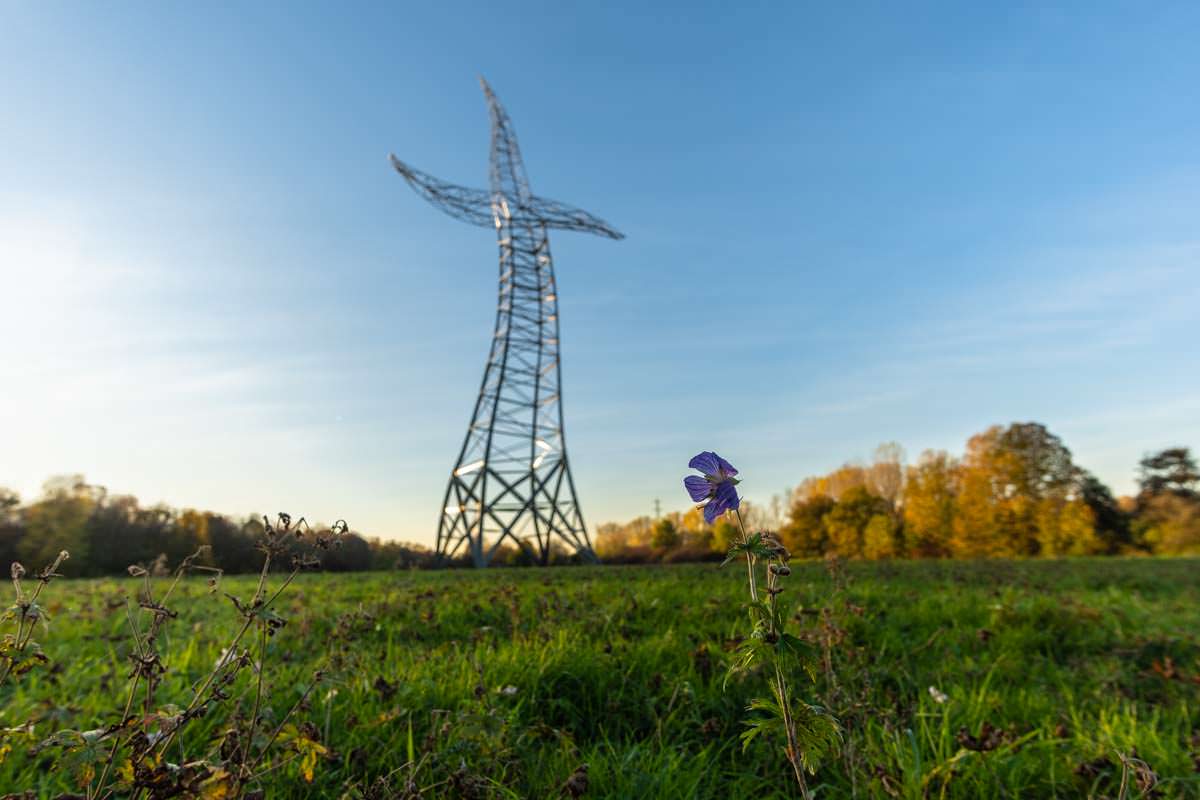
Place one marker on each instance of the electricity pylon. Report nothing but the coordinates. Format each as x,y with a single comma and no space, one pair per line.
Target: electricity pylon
512,479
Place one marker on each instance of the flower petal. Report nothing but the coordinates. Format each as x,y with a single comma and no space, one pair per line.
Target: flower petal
699,488
707,462
725,498
725,467
726,494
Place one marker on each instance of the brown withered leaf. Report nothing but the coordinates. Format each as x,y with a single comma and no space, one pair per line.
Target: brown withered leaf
577,784
989,738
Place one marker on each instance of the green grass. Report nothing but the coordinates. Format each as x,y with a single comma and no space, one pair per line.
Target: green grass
621,668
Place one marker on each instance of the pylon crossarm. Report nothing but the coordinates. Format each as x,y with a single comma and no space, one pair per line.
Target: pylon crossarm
461,202
561,216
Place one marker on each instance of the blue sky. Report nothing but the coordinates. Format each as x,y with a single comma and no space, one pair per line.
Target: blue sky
845,226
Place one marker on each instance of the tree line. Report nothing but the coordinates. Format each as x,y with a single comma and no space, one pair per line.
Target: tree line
1015,492
105,534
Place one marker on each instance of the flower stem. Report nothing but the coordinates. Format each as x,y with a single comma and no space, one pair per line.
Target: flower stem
749,559
789,725
262,668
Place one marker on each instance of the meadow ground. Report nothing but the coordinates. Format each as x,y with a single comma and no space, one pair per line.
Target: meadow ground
503,683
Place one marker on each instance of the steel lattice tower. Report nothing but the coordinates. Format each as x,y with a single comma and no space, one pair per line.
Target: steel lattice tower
512,479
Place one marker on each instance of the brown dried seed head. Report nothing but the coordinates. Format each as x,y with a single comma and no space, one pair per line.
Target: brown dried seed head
52,570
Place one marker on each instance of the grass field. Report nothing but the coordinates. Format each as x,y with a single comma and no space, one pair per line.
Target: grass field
502,683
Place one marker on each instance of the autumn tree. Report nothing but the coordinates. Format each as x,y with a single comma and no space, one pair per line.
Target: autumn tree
833,485
690,520
847,522
1112,522
665,534
930,504
885,476
881,537
1016,483
1066,527
1172,470
1168,505
725,534
57,522
1169,524
805,533
979,527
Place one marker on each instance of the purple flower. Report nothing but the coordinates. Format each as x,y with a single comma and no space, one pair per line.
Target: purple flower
717,485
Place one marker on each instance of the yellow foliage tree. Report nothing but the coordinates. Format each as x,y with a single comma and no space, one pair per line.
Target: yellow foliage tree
930,505
879,537
1170,524
977,530
194,523
805,533
1017,484
724,534
1067,528
846,524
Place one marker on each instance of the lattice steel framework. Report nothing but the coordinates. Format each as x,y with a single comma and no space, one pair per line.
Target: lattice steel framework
512,479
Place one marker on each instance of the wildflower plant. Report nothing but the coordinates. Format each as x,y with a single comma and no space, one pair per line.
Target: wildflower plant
19,653
138,753
808,731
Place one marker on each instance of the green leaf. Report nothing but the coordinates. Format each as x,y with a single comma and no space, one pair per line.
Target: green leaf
63,738
795,647
771,723
817,734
